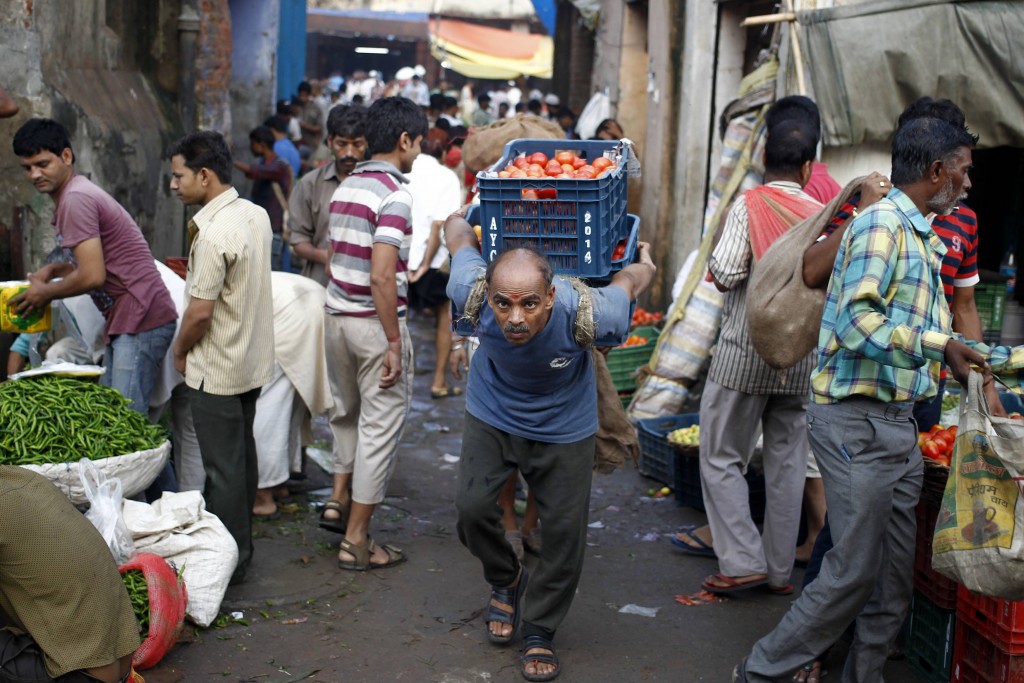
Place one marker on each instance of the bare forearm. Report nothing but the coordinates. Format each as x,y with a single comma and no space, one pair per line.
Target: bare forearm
307,251
385,299
74,281
966,320
193,328
820,258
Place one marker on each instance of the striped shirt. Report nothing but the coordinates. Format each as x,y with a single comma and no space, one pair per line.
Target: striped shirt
958,231
230,263
735,364
886,323
369,207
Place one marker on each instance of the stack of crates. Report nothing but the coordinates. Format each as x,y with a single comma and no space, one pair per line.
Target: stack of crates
625,362
989,640
933,609
990,299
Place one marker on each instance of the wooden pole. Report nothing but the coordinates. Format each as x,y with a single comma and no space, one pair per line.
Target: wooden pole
798,57
768,19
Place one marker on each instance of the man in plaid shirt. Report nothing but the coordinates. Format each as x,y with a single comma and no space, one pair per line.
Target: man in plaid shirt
886,329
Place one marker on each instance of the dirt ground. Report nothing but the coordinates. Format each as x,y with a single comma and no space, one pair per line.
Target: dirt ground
301,618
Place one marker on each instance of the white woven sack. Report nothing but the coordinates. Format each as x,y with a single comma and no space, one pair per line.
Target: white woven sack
135,470
178,528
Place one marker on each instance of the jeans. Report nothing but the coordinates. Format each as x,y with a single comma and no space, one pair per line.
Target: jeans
133,361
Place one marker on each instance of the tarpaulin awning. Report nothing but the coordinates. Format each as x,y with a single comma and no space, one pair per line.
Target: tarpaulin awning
869,61
484,52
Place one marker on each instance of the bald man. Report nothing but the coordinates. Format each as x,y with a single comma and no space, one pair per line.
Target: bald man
531,404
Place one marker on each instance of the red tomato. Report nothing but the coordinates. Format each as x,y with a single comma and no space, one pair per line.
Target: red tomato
934,429
602,163
620,252
944,440
564,157
530,194
521,163
921,438
586,173
952,430
930,449
504,174
518,173
943,459
578,163
538,158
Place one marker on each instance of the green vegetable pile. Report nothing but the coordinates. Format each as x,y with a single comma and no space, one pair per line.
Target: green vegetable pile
135,582
50,419
950,401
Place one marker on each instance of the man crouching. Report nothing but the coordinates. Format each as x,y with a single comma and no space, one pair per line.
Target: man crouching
531,404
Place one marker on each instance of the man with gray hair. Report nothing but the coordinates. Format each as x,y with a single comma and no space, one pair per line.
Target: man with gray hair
885,332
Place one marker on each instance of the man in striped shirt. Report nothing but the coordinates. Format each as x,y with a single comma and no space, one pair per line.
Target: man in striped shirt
369,352
225,347
885,331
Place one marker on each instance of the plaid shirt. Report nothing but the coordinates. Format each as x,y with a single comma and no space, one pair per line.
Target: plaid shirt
886,322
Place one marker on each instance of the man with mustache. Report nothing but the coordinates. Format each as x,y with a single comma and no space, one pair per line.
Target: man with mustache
309,207
531,404
885,331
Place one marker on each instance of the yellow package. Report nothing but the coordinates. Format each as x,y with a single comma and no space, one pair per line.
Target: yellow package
10,321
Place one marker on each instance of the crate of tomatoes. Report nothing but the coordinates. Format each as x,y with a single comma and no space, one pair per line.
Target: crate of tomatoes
937,448
567,198
625,360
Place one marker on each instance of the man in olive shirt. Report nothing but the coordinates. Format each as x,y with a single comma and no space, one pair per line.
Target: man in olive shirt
64,611
309,208
225,347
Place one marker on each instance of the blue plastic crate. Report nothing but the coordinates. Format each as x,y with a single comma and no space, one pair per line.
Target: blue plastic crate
657,455
578,227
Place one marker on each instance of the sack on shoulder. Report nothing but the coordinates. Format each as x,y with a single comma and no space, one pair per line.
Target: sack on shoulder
784,314
616,437
979,533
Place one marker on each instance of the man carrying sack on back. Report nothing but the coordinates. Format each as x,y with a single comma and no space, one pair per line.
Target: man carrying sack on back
742,389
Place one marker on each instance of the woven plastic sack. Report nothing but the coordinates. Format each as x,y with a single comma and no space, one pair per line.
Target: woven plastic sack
979,533
135,470
167,600
484,146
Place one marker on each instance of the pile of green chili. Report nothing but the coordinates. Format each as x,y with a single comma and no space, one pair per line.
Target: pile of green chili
135,582
51,419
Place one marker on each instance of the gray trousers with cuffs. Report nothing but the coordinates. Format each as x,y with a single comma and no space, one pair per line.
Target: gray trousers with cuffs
872,471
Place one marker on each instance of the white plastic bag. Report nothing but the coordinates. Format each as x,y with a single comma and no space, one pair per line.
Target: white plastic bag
105,501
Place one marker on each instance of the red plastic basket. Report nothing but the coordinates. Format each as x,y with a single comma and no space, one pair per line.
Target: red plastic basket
1000,621
931,584
977,660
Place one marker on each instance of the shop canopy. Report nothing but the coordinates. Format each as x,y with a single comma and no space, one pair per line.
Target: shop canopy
868,61
484,52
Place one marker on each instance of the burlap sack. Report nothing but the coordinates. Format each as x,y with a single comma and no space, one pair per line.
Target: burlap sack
485,145
616,438
784,314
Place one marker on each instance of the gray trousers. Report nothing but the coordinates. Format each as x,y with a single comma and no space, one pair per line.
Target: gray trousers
559,477
728,434
872,472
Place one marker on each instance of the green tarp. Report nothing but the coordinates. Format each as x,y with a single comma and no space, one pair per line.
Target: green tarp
868,61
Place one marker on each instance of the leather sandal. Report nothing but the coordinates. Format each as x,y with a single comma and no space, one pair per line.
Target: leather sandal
338,525
536,642
363,552
503,607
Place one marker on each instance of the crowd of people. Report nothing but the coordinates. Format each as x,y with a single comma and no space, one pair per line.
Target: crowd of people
355,221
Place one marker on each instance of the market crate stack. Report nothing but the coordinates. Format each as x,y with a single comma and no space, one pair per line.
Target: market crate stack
937,588
990,299
625,362
930,642
989,640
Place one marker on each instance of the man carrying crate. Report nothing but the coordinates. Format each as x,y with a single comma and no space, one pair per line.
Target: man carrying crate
531,404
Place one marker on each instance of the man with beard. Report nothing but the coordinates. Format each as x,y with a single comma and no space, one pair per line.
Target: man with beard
309,207
885,331
531,405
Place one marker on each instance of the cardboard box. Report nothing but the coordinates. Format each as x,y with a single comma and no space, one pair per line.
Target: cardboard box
10,321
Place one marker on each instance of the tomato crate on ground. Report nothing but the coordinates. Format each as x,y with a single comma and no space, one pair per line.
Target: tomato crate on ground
576,222
690,493
930,643
657,456
1000,621
933,585
977,660
990,300
624,361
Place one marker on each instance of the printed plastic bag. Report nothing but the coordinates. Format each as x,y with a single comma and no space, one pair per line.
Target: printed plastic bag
167,600
105,502
979,533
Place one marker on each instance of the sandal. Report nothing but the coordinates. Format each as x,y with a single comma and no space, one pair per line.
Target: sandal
362,553
338,525
732,584
535,642
503,607
809,673
446,392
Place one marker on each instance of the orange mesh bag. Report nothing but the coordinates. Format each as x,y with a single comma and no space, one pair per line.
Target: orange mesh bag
167,601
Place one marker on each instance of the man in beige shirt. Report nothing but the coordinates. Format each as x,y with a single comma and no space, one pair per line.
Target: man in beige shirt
225,347
309,208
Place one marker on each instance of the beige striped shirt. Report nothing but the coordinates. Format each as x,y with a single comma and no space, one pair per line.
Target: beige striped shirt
230,263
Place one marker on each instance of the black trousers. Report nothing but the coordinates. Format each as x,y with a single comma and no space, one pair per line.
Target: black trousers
559,476
21,661
224,432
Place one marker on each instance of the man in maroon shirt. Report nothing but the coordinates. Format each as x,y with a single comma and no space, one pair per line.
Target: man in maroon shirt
108,258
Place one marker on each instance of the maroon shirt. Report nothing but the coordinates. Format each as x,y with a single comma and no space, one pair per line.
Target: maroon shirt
133,299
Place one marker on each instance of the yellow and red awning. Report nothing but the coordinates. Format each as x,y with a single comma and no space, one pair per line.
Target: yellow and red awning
484,52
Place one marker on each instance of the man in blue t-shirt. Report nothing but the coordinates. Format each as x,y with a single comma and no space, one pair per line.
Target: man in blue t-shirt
531,404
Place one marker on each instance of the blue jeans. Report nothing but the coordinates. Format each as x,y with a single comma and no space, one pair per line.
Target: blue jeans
133,362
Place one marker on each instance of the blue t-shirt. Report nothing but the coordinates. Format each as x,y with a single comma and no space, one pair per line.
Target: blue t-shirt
287,150
543,390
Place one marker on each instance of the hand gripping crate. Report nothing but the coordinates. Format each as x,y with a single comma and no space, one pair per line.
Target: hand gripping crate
576,222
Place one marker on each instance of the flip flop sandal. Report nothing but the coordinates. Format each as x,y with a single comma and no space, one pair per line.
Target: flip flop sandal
731,584
364,551
535,642
786,589
701,549
510,596
338,525
446,392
